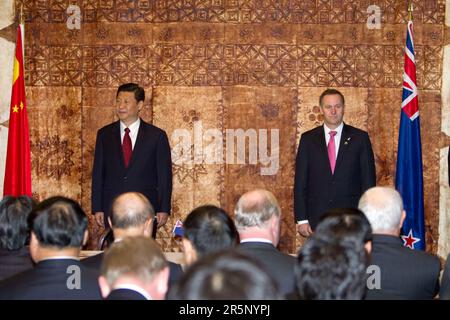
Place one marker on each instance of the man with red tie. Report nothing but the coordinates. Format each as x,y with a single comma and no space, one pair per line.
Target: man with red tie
131,155
334,165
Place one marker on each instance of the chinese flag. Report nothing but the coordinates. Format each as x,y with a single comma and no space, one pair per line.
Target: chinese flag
18,163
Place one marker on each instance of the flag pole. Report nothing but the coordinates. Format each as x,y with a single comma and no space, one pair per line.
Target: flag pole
410,10
22,29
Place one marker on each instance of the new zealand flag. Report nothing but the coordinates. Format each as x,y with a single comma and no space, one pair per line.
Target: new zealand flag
409,178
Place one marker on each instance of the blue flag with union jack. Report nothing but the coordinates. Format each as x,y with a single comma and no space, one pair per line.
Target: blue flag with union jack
409,178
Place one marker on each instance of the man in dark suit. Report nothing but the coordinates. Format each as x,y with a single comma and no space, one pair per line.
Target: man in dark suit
58,230
405,273
134,269
444,293
257,218
132,215
334,165
131,155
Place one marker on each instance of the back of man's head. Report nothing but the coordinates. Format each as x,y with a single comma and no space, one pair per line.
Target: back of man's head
225,275
383,208
59,223
209,229
331,270
14,212
131,210
345,224
135,260
255,209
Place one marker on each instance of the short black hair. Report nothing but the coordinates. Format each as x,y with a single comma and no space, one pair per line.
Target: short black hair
226,275
330,92
331,270
59,222
345,224
14,212
210,229
139,93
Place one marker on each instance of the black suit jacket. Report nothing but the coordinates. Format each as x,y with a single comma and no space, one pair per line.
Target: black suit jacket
125,294
149,170
405,273
444,293
316,189
13,262
48,281
95,262
278,265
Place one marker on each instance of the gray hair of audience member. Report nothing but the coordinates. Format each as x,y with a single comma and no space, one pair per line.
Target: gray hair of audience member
331,270
139,257
225,275
255,208
383,207
14,229
131,209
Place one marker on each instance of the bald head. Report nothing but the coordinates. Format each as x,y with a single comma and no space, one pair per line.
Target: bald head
383,208
255,208
131,210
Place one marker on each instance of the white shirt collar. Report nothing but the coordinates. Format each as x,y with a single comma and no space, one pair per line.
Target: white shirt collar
133,287
338,129
256,240
60,258
133,127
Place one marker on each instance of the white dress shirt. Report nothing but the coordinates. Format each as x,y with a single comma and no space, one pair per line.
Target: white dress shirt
134,129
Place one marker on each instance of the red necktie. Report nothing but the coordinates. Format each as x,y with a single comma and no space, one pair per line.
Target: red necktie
126,147
332,151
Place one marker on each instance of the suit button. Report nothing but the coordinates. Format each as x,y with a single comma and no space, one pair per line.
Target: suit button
330,201
125,178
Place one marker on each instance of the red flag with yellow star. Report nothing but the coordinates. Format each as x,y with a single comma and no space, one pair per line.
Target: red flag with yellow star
18,161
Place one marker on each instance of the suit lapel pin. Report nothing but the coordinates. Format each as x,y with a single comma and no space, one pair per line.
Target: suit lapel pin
347,141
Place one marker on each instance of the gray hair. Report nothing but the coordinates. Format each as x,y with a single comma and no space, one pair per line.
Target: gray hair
383,207
255,208
138,257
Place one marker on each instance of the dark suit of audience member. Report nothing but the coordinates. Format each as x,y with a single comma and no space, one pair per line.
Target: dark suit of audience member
405,273
334,165
14,235
125,294
278,265
149,168
257,218
58,230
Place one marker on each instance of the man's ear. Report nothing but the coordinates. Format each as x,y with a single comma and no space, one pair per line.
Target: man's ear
34,247
190,255
85,237
402,219
140,105
163,281
148,227
104,286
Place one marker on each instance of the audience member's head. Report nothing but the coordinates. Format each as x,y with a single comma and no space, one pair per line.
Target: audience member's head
58,228
14,212
225,275
257,215
383,208
331,270
131,215
135,262
207,229
346,224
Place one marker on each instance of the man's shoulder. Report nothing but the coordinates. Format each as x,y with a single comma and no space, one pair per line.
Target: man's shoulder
353,130
109,127
152,128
